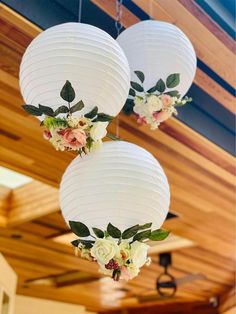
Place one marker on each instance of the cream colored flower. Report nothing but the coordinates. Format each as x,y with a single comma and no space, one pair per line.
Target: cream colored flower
98,130
154,104
76,122
138,253
133,270
104,250
96,145
124,251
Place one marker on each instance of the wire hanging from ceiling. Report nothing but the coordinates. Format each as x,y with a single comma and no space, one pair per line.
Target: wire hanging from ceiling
80,3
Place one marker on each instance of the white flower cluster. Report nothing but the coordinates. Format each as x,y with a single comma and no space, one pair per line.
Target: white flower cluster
154,109
121,260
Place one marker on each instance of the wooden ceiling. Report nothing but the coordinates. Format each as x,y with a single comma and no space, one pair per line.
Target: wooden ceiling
201,177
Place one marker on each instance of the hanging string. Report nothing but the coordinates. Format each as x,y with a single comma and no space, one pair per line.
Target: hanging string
80,11
118,26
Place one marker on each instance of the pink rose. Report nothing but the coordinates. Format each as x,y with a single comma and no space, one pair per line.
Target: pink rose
166,100
141,120
161,116
74,138
47,134
124,274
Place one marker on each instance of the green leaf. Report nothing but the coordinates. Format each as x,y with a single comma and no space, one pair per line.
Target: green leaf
140,75
46,110
132,92
142,235
113,137
113,231
173,80
98,232
75,243
89,142
173,93
87,243
137,86
145,226
128,107
79,228
130,232
61,109
34,111
160,86
159,235
152,89
67,93
77,107
92,114
102,117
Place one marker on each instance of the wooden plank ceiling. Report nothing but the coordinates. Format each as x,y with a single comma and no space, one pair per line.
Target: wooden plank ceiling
201,177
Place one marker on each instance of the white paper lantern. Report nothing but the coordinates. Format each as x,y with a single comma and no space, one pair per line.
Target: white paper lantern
85,55
122,184
159,49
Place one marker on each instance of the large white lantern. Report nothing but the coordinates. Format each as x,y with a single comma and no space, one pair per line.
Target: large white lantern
122,184
159,49
83,54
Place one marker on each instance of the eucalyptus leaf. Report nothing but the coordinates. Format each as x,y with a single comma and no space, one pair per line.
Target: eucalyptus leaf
79,228
160,86
128,107
140,75
46,110
87,243
159,235
102,117
113,137
173,80
92,114
130,232
89,142
77,107
152,89
34,111
67,93
173,93
98,232
142,235
137,86
113,231
75,243
61,109
145,226
132,92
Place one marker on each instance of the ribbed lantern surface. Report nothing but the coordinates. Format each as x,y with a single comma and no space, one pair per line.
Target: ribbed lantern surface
85,55
159,49
122,184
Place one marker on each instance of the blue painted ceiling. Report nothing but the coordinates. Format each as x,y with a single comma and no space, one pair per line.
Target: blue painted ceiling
204,114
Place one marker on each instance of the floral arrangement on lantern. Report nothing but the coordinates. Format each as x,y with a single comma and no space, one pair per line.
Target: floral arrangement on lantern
119,255
82,133
156,104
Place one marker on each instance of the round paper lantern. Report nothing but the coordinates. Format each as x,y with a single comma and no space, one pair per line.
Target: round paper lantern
159,49
83,54
122,184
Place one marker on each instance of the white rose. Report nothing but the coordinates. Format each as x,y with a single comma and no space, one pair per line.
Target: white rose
154,104
138,253
104,250
124,251
133,271
98,130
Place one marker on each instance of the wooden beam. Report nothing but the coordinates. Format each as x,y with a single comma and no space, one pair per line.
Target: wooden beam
228,301
5,194
31,201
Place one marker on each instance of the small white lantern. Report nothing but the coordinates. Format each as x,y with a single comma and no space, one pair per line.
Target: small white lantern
159,49
83,54
122,184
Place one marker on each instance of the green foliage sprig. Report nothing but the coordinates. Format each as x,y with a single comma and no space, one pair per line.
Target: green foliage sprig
134,233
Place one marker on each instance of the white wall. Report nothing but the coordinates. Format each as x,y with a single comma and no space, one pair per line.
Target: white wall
28,305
